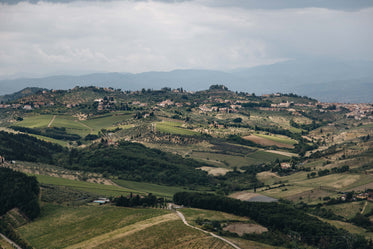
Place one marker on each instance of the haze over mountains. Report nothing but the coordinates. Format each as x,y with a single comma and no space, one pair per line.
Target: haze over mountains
325,80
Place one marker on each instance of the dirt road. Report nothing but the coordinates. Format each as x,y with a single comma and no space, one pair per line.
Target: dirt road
51,122
212,234
10,242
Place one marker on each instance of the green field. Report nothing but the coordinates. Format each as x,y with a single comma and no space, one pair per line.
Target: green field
143,187
59,227
117,227
231,161
71,124
98,189
35,121
347,210
106,121
279,139
49,139
75,126
174,128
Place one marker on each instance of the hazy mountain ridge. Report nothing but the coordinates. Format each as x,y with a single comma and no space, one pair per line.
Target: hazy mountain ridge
332,81
24,92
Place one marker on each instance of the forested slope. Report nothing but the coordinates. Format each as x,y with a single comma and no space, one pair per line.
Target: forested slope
133,161
17,190
26,148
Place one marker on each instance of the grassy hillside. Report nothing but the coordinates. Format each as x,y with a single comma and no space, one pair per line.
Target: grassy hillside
87,222
143,187
115,227
93,188
284,146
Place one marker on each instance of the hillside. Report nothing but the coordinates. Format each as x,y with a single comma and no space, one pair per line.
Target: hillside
89,142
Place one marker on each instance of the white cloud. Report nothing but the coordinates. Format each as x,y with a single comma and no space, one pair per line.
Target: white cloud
129,36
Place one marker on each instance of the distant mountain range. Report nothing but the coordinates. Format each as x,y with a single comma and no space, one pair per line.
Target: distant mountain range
325,80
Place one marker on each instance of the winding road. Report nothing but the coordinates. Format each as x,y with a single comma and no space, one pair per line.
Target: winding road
212,234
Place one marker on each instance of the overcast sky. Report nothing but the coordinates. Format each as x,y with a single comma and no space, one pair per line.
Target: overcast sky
73,37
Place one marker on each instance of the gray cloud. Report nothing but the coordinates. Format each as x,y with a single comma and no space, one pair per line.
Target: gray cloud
251,4
137,36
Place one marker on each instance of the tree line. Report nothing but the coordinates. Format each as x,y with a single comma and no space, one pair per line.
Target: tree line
52,132
133,161
136,200
17,190
294,223
26,148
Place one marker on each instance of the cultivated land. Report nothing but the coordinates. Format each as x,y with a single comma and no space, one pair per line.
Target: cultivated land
58,226
283,146
117,227
271,140
97,189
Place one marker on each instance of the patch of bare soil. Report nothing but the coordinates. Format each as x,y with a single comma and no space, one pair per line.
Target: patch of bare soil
81,116
267,142
215,171
243,196
252,197
289,154
243,228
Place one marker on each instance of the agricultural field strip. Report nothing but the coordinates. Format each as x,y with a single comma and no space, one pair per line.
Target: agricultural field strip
51,122
280,139
173,128
124,231
91,129
143,187
288,154
269,141
85,186
212,234
13,244
47,139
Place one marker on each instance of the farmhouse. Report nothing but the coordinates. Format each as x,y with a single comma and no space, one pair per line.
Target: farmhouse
165,103
27,107
101,201
285,165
